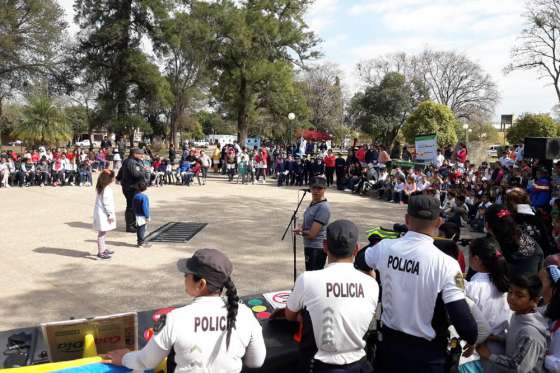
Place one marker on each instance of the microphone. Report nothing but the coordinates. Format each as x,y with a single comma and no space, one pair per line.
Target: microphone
306,190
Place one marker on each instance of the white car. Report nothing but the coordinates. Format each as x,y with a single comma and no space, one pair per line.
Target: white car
85,143
200,144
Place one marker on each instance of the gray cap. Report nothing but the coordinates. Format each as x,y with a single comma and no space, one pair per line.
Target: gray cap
342,237
136,151
210,264
424,207
318,182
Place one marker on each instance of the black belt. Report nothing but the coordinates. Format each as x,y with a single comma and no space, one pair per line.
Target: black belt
320,364
395,336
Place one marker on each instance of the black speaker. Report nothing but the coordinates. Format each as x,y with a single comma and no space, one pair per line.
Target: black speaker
553,148
542,148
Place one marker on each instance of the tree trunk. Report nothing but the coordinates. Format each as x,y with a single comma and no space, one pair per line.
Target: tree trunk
242,113
131,138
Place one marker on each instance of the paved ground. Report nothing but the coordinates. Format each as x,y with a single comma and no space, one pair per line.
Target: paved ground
48,272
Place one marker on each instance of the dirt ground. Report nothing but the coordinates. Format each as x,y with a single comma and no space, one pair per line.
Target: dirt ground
48,271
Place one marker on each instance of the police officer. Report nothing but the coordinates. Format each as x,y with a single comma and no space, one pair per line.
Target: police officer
210,334
337,304
130,174
315,220
421,286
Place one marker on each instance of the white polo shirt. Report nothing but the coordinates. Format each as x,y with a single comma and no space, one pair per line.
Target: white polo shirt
413,273
198,334
341,302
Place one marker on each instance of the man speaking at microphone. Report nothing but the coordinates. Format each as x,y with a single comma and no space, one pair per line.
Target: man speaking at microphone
314,228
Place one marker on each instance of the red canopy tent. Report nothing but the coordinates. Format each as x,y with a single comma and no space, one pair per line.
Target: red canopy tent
315,135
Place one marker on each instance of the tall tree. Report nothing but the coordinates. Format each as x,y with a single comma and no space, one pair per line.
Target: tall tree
185,54
30,36
382,109
452,79
322,90
255,40
538,46
110,47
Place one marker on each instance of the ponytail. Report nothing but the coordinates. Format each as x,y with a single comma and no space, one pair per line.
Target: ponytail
486,249
232,306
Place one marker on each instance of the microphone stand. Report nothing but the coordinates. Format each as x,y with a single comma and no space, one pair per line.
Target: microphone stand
292,223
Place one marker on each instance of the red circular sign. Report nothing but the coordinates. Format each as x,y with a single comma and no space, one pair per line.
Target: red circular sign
281,297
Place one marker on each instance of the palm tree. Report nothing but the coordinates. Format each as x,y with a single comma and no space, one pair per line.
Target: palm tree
44,123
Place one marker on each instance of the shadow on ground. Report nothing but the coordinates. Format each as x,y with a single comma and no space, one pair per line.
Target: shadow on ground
79,224
64,252
114,243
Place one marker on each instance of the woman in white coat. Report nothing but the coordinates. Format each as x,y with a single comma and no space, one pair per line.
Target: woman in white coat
104,218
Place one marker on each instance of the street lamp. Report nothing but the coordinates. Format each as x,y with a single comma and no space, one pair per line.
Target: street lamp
291,117
466,128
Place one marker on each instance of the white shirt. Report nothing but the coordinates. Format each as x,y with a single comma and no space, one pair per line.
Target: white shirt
197,332
490,301
439,160
341,302
413,273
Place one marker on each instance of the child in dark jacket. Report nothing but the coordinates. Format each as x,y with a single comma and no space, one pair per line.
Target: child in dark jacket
141,207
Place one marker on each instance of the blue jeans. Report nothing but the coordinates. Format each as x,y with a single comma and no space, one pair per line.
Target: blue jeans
140,233
314,259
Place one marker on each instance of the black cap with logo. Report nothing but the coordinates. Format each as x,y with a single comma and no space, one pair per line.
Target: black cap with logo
342,237
318,182
209,264
424,207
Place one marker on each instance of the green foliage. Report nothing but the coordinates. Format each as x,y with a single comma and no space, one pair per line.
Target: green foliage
481,131
30,39
110,51
256,42
185,52
532,125
429,118
213,123
44,123
77,119
381,110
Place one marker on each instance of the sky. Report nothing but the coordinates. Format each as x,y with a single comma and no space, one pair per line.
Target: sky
485,30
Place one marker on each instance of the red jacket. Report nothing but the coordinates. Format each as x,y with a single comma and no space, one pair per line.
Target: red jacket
330,161
361,155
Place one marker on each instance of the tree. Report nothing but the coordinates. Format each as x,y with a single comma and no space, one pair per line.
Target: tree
186,59
532,125
323,93
431,118
109,47
480,131
30,35
214,123
382,109
452,79
43,123
256,41
539,43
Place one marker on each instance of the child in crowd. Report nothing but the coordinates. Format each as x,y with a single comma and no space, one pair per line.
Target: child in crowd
527,336
85,173
550,278
141,208
104,219
488,289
